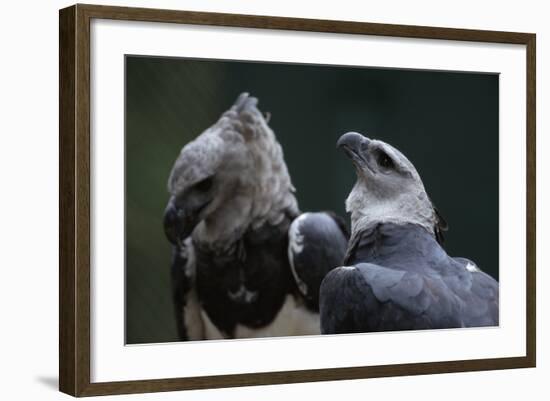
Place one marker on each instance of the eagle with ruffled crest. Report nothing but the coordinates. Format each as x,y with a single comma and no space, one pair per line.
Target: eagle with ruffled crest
246,262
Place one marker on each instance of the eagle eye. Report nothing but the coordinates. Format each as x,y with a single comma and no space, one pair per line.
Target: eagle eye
204,185
385,161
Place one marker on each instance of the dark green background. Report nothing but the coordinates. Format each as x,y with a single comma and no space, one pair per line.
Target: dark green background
445,123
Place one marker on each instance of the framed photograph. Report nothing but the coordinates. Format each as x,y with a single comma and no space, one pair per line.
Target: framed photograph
250,200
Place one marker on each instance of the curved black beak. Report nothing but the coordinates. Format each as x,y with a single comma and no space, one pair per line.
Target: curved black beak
352,141
355,146
178,224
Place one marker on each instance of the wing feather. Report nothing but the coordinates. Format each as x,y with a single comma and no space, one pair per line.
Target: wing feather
317,244
368,297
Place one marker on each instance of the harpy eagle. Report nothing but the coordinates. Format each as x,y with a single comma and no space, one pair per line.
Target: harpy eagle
396,275
245,262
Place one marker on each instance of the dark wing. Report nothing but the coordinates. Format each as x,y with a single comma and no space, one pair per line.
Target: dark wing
481,297
317,244
369,297
186,306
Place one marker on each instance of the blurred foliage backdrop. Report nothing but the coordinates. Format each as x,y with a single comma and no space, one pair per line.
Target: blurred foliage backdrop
445,123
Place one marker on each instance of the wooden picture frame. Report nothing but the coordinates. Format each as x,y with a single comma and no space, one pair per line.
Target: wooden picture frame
74,204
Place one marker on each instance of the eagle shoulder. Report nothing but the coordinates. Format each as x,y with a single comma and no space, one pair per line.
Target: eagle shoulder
368,297
316,244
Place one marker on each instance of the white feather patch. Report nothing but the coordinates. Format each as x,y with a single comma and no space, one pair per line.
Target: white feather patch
471,267
192,310
295,247
192,316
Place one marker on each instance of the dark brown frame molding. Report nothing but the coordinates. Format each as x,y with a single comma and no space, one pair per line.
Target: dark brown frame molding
74,199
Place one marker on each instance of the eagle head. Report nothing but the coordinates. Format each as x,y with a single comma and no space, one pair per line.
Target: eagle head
388,187
231,176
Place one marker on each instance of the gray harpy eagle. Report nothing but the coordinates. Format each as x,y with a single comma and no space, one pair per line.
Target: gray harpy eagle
245,262
396,275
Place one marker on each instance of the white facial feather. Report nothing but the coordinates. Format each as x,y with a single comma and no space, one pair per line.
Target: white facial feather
252,184
389,196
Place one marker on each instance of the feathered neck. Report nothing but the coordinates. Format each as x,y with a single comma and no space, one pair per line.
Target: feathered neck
385,241
368,210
